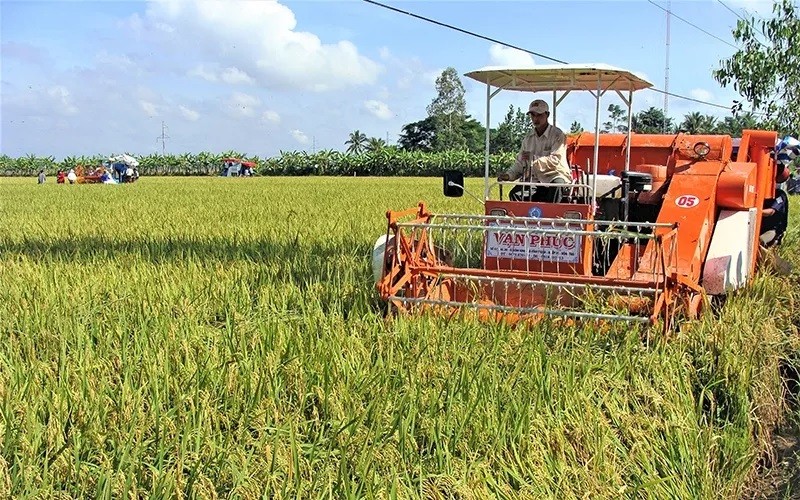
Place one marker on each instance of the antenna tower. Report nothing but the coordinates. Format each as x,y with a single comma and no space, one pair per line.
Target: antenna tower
666,67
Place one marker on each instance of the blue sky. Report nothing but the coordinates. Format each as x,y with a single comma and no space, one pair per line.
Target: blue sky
260,76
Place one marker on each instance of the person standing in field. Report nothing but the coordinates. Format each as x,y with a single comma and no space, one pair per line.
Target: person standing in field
775,216
42,177
542,158
71,177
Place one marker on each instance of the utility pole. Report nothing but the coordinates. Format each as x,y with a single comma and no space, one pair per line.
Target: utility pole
666,69
163,137
313,144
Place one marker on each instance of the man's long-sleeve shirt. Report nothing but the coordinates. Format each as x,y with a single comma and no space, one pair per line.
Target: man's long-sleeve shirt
548,154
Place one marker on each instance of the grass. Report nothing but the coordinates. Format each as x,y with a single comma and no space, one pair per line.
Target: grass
221,338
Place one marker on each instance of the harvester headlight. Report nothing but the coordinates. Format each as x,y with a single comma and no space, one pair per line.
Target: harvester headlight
498,212
701,149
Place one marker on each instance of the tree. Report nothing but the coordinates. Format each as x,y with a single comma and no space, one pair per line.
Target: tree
617,119
698,123
375,144
652,121
474,134
448,109
733,125
418,136
767,72
508,135
575,128
357,142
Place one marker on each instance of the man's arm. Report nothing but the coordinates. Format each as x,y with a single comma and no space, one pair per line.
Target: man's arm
517,169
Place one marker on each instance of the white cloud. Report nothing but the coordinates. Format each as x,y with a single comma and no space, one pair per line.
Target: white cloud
429,77
270,116
62,100
259,38
202,72
189,114
384,53
241,104
702,95
235,76
299,136
231,75
148,107
379,109
116,63
505,56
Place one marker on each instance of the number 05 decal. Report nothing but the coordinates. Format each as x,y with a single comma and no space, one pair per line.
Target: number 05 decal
687,201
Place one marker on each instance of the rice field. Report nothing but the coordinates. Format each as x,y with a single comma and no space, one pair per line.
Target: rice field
221,338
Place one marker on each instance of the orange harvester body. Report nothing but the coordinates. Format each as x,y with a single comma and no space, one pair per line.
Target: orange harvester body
691,232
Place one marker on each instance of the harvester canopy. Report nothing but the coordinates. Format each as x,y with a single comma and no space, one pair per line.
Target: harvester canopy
125,159
235,167
650,225
562,77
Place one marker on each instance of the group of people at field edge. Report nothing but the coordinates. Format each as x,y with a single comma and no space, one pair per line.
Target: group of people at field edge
543,159
61,176
100,174
233,168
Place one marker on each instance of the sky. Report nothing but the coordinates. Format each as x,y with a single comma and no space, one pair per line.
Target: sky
261,77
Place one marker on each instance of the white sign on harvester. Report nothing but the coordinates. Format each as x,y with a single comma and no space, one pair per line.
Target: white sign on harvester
508,242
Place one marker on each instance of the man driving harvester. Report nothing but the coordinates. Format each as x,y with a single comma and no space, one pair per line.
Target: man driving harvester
542,158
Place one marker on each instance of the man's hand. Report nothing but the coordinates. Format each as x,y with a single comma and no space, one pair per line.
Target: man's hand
503,177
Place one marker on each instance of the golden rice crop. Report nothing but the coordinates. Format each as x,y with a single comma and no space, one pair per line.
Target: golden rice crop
214,337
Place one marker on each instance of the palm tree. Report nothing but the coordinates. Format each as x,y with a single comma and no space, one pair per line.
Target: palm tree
652,121
698,123
692,123
733,125
709,124
375,144
357,142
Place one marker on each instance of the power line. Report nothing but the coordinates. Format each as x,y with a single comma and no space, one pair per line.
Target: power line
732,11
482,37
693,25
466,32
745,20
722,106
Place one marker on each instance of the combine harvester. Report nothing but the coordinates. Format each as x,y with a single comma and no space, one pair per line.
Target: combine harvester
652,226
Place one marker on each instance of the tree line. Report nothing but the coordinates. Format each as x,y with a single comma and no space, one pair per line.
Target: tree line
384,162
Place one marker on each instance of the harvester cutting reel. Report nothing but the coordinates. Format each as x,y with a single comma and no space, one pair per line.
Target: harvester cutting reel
525,269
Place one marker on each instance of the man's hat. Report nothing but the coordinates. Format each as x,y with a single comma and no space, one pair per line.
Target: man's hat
538,106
